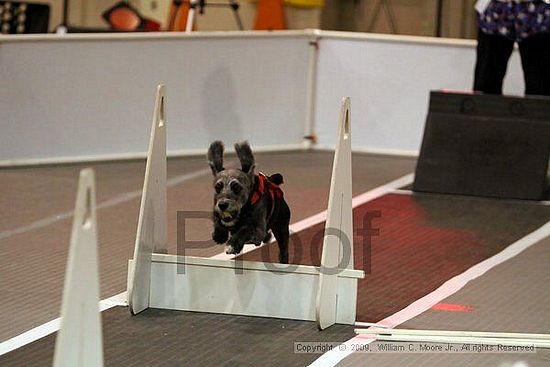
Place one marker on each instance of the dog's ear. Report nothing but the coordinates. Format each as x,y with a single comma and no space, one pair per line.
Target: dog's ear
245,157
215,157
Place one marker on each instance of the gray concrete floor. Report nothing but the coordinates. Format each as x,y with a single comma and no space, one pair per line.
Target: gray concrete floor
35,219
35,222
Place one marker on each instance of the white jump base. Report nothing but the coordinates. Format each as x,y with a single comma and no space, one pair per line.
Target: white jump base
248,288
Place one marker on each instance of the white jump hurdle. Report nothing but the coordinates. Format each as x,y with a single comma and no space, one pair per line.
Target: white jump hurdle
339,220
152,227
256,289
79,340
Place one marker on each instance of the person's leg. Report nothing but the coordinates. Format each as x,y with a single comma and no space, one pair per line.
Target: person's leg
535,60
493,52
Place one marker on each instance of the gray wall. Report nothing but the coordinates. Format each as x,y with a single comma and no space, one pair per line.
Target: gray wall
93,98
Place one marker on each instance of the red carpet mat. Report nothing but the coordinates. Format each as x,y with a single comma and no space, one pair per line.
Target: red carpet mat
416,243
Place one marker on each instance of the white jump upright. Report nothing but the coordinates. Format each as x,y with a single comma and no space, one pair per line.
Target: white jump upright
338,239
200,284
79,340
152,225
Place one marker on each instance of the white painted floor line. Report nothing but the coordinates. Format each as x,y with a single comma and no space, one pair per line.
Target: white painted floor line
403,192
369,324
448,288
119,199
322,216
53,326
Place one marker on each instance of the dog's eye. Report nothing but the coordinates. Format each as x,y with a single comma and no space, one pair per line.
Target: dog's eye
235,187
218,187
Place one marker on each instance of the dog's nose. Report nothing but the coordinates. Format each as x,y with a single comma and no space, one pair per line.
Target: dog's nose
223,205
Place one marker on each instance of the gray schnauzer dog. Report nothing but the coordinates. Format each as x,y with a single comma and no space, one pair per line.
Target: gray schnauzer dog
247,206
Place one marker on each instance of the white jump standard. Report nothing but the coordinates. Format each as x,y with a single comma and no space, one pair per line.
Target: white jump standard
257,289
152,228
79,342
338,239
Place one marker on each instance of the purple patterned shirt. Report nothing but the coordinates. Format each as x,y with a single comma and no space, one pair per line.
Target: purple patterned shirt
515,20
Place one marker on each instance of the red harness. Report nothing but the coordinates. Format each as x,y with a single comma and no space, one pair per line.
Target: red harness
265,185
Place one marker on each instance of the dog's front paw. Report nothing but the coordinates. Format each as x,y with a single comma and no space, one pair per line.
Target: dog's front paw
233,247
230,250
267,237
220,237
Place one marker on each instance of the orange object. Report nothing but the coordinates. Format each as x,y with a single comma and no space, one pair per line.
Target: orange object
125,19
270,15
177,17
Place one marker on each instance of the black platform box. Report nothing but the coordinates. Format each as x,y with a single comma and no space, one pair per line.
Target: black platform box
485,145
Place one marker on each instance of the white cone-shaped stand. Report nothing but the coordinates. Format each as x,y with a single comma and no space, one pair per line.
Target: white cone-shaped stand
338,240
152,225
79,340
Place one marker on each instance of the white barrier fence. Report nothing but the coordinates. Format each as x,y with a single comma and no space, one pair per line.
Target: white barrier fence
83,97
389,79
